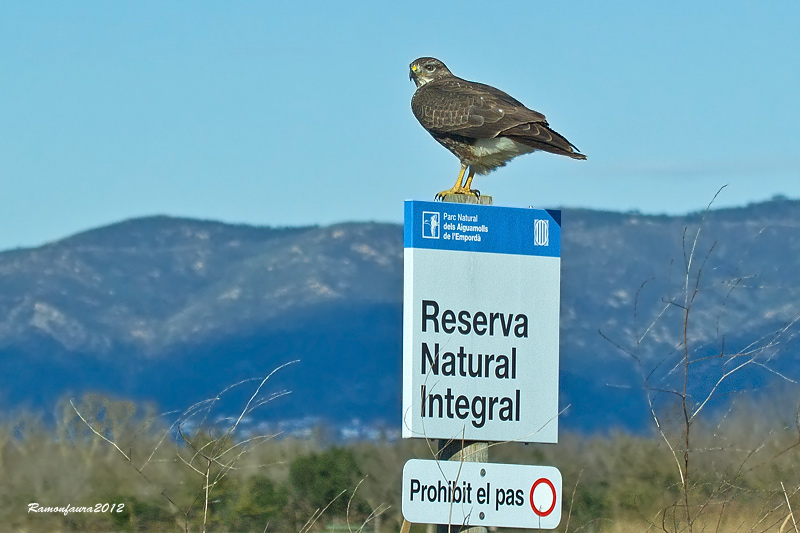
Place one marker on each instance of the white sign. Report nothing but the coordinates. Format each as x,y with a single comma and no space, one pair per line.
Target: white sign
481,494
480,322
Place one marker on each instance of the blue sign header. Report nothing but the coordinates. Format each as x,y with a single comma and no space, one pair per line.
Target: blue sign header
482,228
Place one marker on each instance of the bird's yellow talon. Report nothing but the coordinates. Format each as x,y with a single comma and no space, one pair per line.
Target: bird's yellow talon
457,190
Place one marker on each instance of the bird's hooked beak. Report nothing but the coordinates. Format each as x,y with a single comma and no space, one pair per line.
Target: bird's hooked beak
412,73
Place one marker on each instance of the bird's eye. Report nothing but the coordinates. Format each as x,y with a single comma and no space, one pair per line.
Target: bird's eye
430,68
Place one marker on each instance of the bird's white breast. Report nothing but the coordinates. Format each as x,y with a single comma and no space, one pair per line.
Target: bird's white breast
488,154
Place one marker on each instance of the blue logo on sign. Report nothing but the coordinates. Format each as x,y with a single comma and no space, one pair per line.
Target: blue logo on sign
431,225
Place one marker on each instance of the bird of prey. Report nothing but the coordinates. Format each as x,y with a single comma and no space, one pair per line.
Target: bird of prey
483,126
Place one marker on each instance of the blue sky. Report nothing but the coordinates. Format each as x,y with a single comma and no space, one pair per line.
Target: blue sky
298,113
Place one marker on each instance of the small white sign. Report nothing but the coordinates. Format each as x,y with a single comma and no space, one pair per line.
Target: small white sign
481,494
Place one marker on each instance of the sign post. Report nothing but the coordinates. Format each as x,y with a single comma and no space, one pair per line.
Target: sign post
480,352
480,322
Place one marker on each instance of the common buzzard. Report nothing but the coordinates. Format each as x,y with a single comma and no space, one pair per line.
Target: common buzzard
483,126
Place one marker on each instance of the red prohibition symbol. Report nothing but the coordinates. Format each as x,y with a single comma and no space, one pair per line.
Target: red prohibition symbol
552,490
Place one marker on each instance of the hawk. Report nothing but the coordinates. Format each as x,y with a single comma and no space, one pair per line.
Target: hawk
483,126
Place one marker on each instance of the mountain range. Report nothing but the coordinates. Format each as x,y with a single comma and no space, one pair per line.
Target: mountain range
171,311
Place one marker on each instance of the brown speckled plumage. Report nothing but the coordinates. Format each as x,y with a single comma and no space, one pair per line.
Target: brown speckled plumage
476,121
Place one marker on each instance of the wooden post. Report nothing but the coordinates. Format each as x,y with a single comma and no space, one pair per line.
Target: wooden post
463,450
467,199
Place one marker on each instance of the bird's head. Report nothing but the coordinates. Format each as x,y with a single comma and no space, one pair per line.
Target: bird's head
427,69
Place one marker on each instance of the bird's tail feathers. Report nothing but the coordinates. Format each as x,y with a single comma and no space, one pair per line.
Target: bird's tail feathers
543,138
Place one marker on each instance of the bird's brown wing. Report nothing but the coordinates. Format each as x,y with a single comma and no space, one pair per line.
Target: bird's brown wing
456,107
